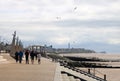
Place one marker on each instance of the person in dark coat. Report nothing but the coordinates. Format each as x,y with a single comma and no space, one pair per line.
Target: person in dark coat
27,56
16,56
32,54
20,56
36,54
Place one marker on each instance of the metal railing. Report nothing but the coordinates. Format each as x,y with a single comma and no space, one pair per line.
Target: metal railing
89,74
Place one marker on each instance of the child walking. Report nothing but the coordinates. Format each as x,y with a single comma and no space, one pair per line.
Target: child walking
39,58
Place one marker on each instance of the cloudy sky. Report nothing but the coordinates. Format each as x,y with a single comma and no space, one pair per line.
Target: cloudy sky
91,24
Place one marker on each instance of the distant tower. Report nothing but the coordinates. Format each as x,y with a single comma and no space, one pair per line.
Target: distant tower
68,45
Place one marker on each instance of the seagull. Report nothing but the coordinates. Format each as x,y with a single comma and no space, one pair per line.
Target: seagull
75,8
58,17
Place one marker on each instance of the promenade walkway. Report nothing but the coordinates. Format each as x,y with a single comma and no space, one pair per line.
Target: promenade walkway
27,72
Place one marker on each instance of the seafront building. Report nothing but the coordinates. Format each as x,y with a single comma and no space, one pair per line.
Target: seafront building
50,49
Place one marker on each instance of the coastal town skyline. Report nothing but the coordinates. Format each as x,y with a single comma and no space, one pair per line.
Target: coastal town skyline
86,24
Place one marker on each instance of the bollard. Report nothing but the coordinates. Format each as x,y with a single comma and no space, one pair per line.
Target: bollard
105,77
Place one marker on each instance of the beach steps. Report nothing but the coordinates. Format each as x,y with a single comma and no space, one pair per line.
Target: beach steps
6,58
60,75
3,60
75,76
66,74
66,77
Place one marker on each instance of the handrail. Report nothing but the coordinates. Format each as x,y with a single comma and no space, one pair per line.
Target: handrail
86,73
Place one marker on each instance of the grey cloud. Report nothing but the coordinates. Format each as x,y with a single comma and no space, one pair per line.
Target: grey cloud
96,2
66,23
23,23
88,23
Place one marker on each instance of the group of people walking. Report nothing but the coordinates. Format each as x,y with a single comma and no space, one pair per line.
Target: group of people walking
19,55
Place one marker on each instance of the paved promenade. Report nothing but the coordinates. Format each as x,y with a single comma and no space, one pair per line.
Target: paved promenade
27,72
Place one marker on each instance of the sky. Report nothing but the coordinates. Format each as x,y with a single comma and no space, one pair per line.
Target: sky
90,24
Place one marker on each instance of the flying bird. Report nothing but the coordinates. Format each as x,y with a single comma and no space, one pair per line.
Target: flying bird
58,17
75,8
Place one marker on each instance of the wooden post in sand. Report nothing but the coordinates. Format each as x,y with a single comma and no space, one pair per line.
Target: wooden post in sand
94,70
105,77
89,70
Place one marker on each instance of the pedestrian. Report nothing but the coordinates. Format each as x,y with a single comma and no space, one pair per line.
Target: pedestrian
39,58
32,54
20,56
36,54
16,56
27,56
